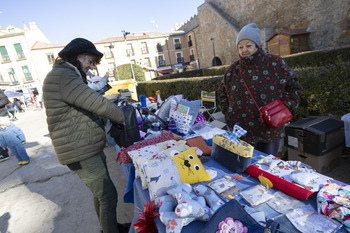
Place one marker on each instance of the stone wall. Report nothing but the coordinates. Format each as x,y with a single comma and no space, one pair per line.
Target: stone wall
327,21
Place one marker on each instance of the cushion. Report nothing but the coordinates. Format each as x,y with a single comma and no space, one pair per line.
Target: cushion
139,156
164,109
167,144
183,122
171,152
149,155
200,143
194,108
160,177
190,167
165,136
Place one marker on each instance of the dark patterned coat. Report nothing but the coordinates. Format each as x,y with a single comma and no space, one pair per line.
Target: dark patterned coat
268,78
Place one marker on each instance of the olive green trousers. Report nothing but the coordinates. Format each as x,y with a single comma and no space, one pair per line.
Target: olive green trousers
94,173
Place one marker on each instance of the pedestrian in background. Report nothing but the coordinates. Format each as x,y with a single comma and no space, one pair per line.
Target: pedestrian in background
268,78
12,137
18,104
4,100
74,113
11,108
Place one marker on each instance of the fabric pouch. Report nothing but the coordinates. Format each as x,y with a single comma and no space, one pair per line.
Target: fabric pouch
234,157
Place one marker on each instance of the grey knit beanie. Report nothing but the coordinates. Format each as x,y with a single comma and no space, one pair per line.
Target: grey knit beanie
249,32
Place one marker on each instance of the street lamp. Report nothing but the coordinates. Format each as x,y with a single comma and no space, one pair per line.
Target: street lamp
128,54
212,40
114,64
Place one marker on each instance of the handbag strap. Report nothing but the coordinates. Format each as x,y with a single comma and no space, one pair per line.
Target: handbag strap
257,106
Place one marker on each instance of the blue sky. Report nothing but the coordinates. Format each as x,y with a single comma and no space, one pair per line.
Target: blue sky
63,20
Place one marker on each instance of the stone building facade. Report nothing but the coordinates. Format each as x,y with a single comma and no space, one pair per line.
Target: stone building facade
327,21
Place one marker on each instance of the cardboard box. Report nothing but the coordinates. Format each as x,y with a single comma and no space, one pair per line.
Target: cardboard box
315,135
322,163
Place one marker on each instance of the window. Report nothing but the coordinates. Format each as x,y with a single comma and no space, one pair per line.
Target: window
159,47
12,75
179,58
129,50
1,78
111,66
144,48
177,43
50,58
4,54
161,61
108,52
133,61
27,73
19,52
147,62
192,55
189,40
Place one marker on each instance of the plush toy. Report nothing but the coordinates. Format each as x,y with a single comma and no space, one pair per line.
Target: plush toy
210,196
188,206
182,206
167,216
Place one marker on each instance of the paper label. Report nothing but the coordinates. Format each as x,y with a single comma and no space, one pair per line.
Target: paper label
293,141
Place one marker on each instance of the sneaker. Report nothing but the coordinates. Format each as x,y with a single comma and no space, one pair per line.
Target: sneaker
25,162
20,162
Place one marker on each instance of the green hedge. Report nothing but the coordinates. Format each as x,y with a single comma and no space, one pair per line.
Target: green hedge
300,60
325,89
318,58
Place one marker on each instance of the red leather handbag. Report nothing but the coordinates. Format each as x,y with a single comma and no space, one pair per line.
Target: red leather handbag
274,113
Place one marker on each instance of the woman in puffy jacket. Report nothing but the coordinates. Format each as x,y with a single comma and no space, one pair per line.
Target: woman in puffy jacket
74,114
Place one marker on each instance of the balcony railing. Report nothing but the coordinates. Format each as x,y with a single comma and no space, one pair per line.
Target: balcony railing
177,45
189,43
144,50
191,57
161,62
5,58
180,60
21,56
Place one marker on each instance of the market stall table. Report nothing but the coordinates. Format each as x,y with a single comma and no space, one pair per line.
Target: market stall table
140,196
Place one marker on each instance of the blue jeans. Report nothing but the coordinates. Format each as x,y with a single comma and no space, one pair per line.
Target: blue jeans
19,152
268,148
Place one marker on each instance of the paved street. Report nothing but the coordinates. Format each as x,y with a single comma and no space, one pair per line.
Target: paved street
45,196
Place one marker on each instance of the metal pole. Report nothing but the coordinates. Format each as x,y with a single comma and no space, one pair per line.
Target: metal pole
128,54
114,64
212,39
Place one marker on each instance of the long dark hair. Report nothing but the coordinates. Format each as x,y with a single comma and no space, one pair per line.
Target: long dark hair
75,62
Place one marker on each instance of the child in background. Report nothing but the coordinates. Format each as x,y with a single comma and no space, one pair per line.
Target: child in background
12,137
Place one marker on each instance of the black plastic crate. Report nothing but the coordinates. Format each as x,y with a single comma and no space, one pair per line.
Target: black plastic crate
315,135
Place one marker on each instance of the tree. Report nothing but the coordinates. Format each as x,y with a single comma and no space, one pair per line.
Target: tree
124,72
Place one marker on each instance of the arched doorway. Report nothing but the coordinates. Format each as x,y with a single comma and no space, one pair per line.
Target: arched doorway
216,62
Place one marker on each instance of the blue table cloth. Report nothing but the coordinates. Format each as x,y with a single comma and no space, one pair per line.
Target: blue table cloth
140,196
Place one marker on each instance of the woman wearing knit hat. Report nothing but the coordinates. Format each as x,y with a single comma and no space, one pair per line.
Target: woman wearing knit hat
74,114
268,78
